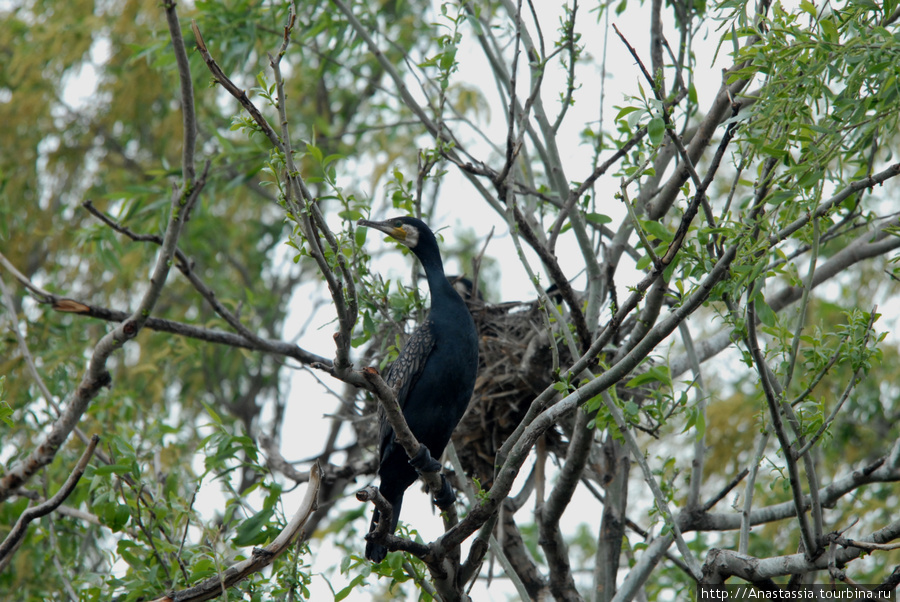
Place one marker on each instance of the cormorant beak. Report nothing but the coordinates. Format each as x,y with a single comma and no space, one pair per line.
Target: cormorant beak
387,227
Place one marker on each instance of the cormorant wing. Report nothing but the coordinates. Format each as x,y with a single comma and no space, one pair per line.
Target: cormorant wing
406,369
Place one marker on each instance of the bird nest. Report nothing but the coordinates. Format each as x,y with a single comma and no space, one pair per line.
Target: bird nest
515,365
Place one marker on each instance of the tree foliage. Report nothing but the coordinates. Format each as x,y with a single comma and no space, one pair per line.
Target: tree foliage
700,387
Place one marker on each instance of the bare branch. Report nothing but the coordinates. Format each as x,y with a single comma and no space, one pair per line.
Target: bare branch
775,413
693,500
657,79
189,119
721,564
880,471
211,335
62,510
725,490
562,584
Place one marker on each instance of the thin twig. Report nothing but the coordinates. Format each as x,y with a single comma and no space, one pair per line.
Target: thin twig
854,380
68,305
771,397
693,500
185,265
18,531
570,46
867,545
734,482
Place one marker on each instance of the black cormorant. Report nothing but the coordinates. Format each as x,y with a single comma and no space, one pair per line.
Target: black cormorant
434,375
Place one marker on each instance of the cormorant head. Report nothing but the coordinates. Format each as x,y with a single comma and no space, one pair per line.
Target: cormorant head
407,230
465,288
413,233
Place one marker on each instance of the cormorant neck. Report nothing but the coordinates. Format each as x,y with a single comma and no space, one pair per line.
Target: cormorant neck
440,288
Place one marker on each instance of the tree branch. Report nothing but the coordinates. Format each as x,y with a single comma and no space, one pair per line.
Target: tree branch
721,564
562,584
775,413
880,471
188,116
18,531
211,335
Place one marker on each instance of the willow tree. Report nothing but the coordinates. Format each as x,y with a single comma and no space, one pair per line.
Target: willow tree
701,380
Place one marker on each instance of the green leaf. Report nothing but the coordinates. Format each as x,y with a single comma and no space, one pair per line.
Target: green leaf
625,111
631,409
5,410
658,230
811,178
201,569
643,263
212,413
252,531
829,30
764,312
598,218
315,152
354,583
369,324
656,129
114,516
658,374
113,469
124,549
